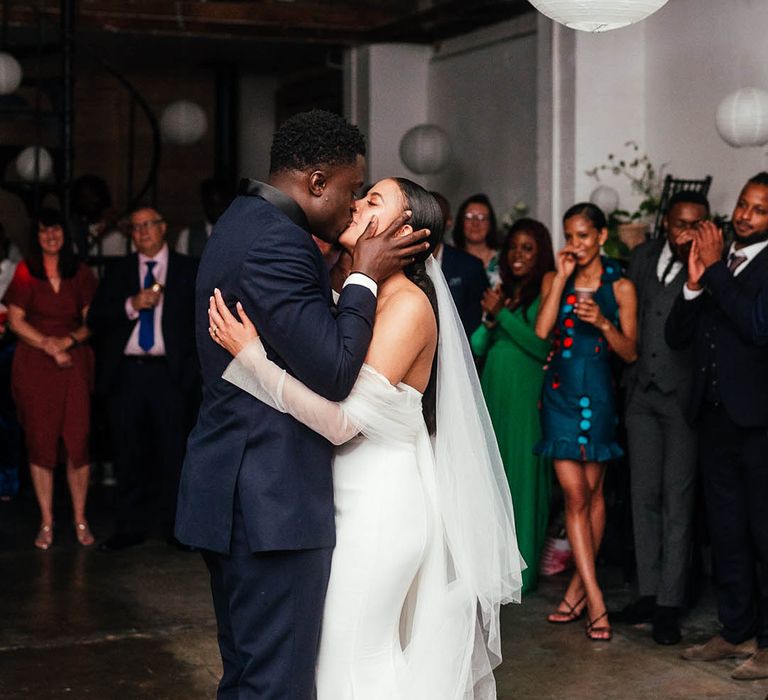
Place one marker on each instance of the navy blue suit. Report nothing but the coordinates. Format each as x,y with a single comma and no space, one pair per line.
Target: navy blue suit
729,406
467,281
256,491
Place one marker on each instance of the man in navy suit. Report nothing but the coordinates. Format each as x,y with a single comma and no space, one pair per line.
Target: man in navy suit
143,322
729,407
256,493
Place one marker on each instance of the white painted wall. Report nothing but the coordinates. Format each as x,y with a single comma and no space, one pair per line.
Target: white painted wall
660,82
482,91
256,124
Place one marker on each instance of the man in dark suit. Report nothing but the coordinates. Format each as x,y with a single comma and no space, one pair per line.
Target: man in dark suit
142,318
464,273
662,446
256,493
729,406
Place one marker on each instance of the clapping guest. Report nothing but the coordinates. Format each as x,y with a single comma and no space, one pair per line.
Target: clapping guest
52,374
662,446
464,273
728,405
512,379
143,315
592,310
475,231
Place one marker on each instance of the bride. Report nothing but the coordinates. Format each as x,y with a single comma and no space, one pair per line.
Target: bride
426,551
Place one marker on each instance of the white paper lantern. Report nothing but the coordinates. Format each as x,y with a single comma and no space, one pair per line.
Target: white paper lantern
597,15
606,198
742,118
10,74
183,122
425,149
25,164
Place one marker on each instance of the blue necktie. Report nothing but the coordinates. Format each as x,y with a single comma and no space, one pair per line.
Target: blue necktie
147,316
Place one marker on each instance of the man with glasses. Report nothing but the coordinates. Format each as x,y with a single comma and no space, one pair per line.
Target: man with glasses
143,321
662,446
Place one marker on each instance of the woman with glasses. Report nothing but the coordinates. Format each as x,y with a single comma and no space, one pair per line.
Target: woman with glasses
475,232
52,371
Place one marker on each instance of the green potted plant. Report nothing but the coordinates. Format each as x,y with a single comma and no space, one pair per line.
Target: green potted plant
626,229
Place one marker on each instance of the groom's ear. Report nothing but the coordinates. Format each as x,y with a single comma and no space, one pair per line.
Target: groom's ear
318,181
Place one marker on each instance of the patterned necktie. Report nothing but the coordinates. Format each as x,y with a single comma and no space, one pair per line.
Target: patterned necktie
147,316
734,260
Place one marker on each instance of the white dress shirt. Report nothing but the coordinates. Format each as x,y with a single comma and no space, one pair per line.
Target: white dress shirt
160,272
357,278
750,251
664,258
182,242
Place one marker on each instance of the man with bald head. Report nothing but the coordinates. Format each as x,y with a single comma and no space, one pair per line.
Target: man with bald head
143,320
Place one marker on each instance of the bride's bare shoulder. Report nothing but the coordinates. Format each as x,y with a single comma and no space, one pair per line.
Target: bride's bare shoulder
407,305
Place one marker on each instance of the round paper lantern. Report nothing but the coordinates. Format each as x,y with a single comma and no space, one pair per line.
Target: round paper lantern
183,122
425,149
10,74
606,198
25,164
742,118
597,15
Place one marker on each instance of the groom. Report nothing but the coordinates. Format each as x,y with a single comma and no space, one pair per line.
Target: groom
256,493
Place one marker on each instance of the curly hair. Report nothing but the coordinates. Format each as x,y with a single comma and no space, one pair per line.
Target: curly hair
545,262
316,138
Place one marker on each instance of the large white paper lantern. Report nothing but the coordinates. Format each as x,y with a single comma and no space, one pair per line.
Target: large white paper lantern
25,164
10,74
742,118
597,15
606,198
425,149
183,122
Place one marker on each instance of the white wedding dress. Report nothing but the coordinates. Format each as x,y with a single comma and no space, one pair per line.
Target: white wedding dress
425,552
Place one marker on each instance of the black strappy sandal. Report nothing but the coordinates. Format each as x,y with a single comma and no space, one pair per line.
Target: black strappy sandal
591,629
570,615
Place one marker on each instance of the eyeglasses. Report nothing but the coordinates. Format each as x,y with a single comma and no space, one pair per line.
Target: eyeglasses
471,216
144,225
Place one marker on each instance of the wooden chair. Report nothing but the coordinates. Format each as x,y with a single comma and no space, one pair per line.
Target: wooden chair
672,186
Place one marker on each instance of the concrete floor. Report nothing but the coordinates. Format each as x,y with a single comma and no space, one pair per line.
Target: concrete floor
138,625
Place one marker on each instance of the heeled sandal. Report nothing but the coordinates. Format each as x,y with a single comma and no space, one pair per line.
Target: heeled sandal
570,615
592,629
84,535
44,538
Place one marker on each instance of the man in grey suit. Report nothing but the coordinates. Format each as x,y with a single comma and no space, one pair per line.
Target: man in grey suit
662,446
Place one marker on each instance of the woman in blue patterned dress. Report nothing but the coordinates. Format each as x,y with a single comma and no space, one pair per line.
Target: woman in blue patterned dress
589,310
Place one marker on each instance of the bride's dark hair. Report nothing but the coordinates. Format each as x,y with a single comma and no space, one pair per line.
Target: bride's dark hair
426,213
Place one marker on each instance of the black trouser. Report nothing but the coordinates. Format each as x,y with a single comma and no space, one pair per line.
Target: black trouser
148,419
269,606
734,464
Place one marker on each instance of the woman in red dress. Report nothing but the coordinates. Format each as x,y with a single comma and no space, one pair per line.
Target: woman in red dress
52,373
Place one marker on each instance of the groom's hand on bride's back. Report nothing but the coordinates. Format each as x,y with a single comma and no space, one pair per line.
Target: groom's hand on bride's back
380,254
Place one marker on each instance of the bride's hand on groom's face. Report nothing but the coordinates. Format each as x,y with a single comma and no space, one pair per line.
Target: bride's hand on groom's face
232,333
380,255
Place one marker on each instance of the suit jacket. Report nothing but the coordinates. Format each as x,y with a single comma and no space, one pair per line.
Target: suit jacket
261,253
657,363
112,328
467,281
719,326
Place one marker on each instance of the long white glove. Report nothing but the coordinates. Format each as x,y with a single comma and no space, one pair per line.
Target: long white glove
254,372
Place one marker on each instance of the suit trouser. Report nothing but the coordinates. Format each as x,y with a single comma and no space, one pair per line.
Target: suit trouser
148,414
662,455
734,463
268,606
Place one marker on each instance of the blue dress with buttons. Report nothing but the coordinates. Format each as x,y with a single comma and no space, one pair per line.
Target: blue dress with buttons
578,410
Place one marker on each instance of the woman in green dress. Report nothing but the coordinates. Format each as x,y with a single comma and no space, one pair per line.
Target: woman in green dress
512,377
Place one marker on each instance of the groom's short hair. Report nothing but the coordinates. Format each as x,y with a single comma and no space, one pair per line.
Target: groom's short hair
316,138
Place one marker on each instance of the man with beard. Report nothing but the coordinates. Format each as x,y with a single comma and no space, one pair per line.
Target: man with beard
662,446
729,407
